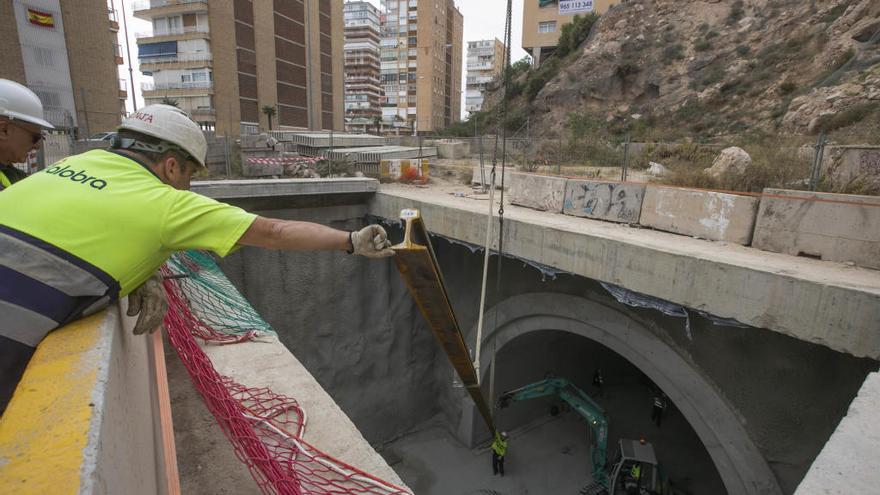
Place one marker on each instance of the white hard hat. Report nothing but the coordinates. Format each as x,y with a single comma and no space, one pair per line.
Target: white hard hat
503,434
17,102
171,125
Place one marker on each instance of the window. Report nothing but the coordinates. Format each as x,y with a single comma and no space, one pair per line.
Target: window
547,27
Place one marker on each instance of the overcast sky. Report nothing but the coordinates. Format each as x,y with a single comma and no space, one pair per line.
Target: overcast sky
483,19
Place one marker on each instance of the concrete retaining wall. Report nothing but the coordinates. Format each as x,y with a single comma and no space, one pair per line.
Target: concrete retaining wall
82,418
841,467
836,227
612,201
540,192
709,215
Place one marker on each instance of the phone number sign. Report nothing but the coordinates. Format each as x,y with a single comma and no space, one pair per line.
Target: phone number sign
568,7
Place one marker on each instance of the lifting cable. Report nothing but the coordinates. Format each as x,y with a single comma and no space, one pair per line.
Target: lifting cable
501,129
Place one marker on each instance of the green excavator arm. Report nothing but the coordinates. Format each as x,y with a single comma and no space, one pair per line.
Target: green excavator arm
581,403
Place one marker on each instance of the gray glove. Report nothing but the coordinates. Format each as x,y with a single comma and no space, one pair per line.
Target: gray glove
371,241
149,303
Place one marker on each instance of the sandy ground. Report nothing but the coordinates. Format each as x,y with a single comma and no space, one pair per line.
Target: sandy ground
550,455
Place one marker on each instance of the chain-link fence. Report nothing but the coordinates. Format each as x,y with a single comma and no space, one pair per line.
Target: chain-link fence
792,162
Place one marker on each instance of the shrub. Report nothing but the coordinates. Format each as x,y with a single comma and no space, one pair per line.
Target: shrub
736,13
787,88
673,52
702,45
848,117
742,50
574,33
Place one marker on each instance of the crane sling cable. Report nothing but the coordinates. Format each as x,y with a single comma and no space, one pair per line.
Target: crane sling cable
417,263
502,114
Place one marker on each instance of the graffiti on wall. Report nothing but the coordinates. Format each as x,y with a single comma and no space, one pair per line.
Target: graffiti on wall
604,200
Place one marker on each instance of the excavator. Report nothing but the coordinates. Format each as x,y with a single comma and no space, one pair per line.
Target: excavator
618,479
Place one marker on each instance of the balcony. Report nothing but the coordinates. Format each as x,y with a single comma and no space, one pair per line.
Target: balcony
177,89
186,32
123,89
178,61
147,9
114,20
117,54
203,114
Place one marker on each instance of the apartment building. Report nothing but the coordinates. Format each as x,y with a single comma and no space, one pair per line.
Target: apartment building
485,61
543,21
362,90
67,52
237,65
421,64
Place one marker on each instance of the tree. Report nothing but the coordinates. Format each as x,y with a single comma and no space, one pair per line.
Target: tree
269,110
170,101
377,121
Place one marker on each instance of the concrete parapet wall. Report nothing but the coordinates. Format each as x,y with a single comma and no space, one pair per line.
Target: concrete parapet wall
834,227
487,170
541,192
84,418
711,215
807,299
612,201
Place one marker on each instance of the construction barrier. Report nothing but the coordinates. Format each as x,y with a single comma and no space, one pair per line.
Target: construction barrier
266,429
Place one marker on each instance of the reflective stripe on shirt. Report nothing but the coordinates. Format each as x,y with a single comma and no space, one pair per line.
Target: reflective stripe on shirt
43,287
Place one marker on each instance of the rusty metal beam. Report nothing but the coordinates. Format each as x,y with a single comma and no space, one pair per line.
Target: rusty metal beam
418,266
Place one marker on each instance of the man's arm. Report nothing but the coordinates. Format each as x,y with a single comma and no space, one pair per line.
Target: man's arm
289,235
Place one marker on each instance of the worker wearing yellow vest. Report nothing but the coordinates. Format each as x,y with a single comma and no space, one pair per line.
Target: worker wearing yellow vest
499,450
95,227
21,129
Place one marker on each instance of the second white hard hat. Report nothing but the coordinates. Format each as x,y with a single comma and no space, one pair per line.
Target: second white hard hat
17,102
172,125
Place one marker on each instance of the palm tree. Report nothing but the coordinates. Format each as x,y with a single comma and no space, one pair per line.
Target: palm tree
170,101
377,121
269,110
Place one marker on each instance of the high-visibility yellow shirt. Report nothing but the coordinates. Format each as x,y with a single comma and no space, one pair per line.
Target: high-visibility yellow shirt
499,445
114,213
4,181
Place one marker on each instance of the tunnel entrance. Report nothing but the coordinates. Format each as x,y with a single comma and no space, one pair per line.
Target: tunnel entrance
627,397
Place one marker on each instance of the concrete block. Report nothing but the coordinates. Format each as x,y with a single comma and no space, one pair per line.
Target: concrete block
397,169
612,201
261,168
834,227
452,149
478,178
541,192
709,215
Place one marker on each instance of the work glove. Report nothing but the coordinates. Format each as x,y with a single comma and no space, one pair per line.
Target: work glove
371,241
149,303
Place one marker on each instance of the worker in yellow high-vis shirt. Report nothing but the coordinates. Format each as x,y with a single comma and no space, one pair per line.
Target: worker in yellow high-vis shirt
95,227
499,450
21,129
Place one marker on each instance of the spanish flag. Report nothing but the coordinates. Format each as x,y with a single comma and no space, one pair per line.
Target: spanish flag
40,18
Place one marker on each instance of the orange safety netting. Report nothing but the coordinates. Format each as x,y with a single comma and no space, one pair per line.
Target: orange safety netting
266,429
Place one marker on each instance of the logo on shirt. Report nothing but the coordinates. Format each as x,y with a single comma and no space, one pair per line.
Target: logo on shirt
77,176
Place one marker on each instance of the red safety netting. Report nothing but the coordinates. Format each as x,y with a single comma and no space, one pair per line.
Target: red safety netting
266,429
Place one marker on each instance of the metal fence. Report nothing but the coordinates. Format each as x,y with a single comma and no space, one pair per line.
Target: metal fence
794,162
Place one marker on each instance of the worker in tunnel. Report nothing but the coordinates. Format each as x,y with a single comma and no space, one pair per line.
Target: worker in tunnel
21,129
658,407
499,450
95,227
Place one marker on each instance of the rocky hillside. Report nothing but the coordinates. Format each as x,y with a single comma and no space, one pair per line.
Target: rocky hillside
702,69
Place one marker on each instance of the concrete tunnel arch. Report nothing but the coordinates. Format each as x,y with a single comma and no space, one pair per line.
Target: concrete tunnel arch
740,464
